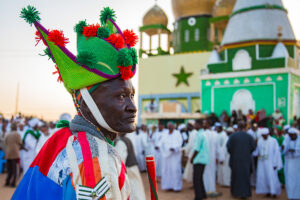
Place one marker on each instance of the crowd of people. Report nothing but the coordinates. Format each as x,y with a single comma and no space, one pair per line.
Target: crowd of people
21,139
239,151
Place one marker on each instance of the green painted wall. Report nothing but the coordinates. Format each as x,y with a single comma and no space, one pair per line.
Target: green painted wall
262,92
264,52
182,25
294,85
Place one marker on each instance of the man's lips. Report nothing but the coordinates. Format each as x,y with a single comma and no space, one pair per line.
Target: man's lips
131,118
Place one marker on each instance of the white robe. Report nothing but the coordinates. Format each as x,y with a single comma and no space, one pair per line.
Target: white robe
134,176
141,147
210,171
269,156
189,151
171,164
29,155
157,138
292,167
224,171
42,140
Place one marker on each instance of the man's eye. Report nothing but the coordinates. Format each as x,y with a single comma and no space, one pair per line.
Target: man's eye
122,96
132,96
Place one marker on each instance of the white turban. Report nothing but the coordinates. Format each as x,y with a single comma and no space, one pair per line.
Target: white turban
181,126
264,131
33,122
65,116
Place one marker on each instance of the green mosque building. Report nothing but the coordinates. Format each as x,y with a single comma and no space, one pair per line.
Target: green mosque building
220,55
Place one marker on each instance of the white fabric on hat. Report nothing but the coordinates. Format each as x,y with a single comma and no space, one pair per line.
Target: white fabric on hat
40,123
33,122
230,129
218,124
191,121
264,131
286,127
293,131
181,126
65,116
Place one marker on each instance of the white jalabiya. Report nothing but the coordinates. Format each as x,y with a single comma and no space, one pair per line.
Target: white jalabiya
189,151
224,171
29,155
171,164
42,140
22,151
141,147
269,156
209,176
292,167
157,139
134,176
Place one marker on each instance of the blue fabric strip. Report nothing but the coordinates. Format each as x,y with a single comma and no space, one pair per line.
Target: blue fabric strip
36,186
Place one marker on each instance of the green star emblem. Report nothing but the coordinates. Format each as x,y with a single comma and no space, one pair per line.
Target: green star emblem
182,77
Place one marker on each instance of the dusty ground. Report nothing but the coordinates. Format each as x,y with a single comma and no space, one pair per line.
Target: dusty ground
185,194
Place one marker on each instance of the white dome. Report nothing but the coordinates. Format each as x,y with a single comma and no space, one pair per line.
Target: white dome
258,24
214,57
280,51
240,4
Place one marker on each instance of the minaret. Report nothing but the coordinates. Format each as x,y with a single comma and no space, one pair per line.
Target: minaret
155,22
192,25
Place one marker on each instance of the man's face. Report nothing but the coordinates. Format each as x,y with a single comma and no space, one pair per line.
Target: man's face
171,126
115,100
219,129
205,124
161,127
265,136
293,136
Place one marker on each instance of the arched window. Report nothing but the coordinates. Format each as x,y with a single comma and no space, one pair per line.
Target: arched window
241,60
197,34
186,36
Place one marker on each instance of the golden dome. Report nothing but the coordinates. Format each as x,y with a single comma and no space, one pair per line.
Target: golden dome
185,8
155,15
223,8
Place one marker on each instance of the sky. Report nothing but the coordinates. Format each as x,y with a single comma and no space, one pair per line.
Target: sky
39,92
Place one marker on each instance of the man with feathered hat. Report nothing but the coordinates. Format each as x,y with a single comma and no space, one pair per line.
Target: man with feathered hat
79,161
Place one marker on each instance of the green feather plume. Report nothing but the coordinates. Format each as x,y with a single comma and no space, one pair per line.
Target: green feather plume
124,58
47,53
87,58
78,28
103,32
107,13
134,56
30,14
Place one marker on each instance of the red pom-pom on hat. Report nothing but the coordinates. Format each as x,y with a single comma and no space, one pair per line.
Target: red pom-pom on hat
58,38
90,31
38,38
116,40
125,72
130,37
59,79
